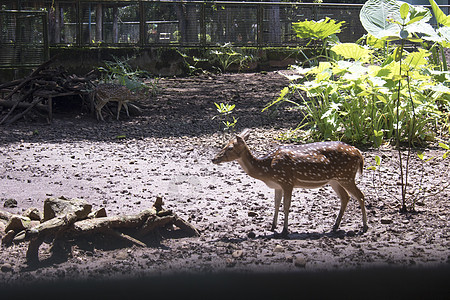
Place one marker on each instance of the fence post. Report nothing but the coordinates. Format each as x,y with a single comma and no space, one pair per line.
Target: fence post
45,36
259,24
79,24
203,24
142,32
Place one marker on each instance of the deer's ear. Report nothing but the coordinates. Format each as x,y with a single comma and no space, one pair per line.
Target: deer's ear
239,139
245,134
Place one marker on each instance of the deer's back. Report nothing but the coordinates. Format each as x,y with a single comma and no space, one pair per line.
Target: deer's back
113,92
322,161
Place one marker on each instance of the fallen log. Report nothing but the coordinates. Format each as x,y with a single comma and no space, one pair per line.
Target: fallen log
69,219
23,98
20,115
9,104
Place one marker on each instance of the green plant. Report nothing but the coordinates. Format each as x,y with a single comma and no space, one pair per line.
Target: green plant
321,34
192,62
120,71
395,20
225,111
375,168
226,55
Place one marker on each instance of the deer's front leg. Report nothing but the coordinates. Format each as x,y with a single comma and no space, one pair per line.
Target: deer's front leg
278,196
286,206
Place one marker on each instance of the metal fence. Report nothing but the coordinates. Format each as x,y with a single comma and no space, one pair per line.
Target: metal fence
23,38
185,23
29,27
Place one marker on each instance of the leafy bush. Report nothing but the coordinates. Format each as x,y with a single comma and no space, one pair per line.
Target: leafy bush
363,97
226,55
120,71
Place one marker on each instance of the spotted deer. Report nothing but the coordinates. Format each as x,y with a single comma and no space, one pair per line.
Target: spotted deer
111,92
301,166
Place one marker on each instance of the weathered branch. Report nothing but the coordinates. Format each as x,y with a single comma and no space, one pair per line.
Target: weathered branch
65,218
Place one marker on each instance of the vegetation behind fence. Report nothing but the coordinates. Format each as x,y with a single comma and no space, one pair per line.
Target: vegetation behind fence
181,23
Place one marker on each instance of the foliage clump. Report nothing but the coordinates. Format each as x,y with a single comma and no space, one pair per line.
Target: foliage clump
376,86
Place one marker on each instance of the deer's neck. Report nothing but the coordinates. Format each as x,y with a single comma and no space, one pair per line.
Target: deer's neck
253,166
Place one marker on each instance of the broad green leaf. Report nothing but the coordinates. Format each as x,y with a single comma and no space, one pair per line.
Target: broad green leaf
323,76
404,11
317,30
323,65
383,19
352,51
441,18
417,59
374,17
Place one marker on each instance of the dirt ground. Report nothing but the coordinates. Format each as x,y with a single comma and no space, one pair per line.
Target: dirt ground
124,165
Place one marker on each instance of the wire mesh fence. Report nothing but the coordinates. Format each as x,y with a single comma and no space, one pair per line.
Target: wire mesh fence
185,23
23,40
24,34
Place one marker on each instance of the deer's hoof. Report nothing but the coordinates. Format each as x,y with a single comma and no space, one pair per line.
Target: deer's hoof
365,228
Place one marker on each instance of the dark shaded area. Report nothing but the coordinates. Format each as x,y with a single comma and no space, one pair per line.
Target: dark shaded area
385,283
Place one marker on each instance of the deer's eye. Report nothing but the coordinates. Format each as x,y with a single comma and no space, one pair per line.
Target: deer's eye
229,148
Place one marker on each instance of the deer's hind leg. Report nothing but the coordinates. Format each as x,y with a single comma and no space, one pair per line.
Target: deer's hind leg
287,197
343,195
356,192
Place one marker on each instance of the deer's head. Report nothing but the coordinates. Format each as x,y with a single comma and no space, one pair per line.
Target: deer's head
233,149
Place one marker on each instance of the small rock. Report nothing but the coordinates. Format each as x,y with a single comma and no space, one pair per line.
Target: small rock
300,262
289,258
33,213
6,267
252,214
15,224
237,253
101,213
251,235
10,203
278,249
230,263
386,220
122,255
8,238
54,207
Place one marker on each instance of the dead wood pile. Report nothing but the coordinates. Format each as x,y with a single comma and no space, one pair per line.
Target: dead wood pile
33,93
65,219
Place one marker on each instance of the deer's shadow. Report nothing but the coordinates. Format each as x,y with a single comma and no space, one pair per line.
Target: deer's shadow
315,235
